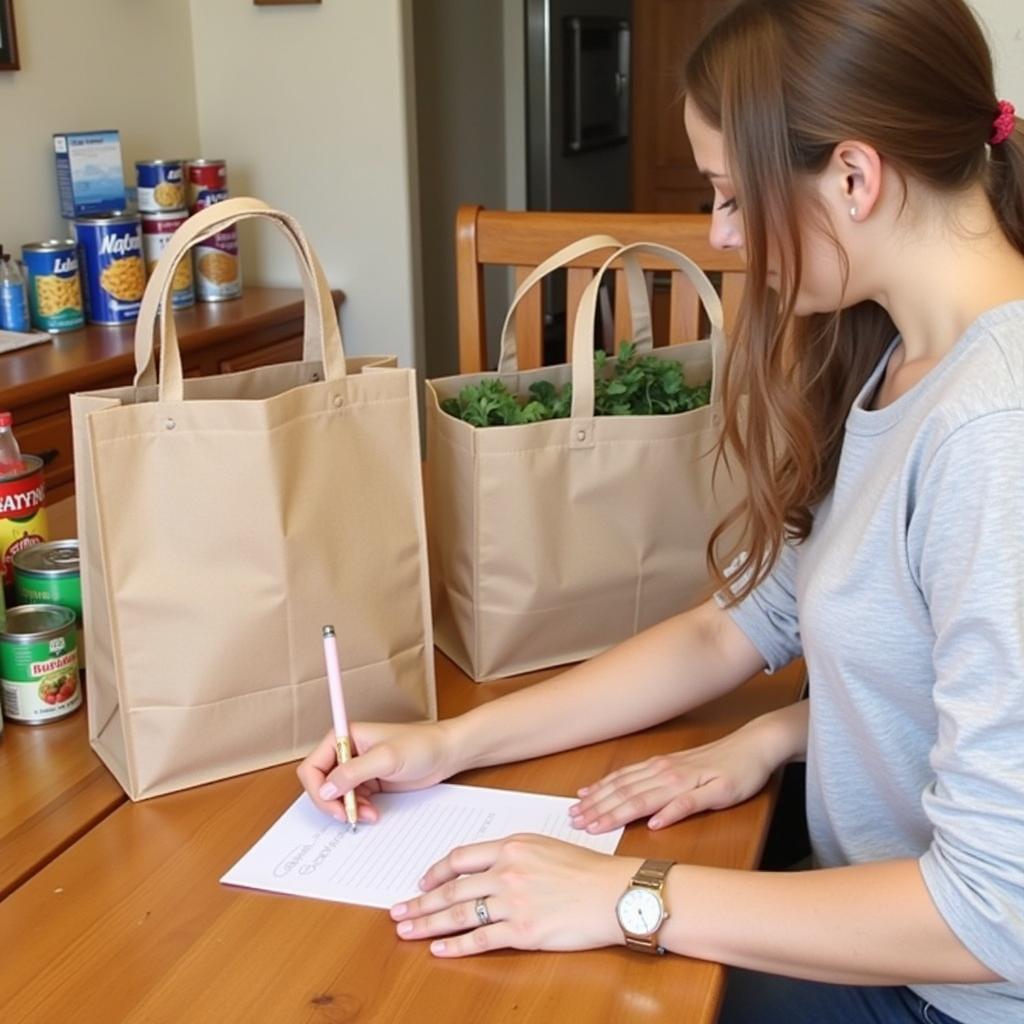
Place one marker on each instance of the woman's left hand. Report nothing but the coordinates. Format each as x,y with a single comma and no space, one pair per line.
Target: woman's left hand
539,893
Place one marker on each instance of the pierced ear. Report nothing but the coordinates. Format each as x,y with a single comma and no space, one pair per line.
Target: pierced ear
860,167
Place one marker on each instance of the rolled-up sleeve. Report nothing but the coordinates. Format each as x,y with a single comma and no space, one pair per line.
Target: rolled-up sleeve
768,616
968,544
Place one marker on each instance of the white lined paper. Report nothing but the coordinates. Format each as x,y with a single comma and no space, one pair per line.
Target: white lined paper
306,853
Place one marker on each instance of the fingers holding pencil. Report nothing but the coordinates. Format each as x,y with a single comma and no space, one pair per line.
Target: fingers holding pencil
388,757
322,763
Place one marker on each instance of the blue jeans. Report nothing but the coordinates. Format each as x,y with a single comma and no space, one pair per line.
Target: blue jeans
753,998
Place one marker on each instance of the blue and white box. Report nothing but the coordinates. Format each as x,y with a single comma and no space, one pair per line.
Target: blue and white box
90,175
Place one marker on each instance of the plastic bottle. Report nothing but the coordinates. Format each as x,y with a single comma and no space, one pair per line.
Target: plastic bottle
11,463
13,297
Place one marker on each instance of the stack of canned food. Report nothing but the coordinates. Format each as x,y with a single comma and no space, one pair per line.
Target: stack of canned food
164,189
218,271
40,636
101,274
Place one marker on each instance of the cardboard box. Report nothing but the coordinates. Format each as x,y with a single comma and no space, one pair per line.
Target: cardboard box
90,175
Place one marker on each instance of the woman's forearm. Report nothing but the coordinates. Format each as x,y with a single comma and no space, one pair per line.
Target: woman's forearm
873,924
784,732
658,674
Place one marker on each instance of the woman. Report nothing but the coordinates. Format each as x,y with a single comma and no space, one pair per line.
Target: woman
874,182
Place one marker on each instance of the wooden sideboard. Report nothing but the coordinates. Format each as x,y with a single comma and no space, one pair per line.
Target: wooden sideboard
263,326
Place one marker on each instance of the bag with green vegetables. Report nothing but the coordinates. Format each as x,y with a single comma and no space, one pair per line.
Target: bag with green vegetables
570,506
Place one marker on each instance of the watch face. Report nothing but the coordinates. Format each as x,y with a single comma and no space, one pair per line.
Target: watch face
639,911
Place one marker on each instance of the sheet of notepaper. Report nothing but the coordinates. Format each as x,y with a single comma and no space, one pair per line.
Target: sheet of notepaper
308,853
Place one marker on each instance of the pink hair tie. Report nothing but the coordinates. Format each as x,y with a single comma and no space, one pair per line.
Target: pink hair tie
1004,125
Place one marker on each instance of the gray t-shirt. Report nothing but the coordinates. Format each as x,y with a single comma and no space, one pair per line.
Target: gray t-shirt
907,602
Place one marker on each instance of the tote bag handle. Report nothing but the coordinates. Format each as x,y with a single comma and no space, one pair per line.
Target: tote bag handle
583,329
321,332
639,302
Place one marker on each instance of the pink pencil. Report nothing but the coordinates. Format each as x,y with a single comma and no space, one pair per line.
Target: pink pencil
342,741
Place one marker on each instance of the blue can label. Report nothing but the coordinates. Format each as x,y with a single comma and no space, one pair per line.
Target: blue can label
54,289
113,270
161,185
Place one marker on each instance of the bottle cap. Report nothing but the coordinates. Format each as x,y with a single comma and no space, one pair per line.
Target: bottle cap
5,419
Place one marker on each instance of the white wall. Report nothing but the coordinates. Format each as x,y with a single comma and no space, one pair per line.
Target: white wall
103,64
308,106
1004,22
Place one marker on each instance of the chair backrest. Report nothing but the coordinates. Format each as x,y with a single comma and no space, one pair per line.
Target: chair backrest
523,239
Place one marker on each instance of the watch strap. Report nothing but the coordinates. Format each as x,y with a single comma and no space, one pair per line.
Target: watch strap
650,875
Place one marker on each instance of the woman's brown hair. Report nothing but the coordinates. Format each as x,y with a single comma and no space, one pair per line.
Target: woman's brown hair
785,81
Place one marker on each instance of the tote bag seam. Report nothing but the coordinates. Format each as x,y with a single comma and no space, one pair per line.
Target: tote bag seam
143,708
257,428
646,442
419,512
475,654
115,629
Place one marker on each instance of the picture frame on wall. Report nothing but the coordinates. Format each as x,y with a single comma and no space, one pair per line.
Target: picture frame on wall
8,37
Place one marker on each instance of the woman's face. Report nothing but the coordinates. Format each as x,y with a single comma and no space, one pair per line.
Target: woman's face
821,284
709,152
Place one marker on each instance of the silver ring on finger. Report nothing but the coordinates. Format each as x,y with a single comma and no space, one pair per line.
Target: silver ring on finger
483,915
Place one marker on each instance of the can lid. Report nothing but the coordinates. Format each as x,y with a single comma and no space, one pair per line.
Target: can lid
113,217
5,419
54,558
49,245
27,622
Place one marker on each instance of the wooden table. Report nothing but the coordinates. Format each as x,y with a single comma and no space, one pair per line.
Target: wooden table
113,911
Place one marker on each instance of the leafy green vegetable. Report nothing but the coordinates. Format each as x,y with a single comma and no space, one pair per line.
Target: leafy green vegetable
628,385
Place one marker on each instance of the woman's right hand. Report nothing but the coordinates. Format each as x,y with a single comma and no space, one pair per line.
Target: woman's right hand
388,758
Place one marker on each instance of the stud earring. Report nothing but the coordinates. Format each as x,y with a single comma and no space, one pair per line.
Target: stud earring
853,212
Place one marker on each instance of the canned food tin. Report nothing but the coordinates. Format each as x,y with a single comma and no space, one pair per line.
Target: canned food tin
39,664
54,287
22,516
49,574
205,177
157,229
113,275
218,272
161,185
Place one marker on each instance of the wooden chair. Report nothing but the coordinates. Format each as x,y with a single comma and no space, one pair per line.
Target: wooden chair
523,239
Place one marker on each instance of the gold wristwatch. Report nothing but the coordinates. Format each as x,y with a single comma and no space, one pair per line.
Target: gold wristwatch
641,908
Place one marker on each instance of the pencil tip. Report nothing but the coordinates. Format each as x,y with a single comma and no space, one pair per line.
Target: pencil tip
352,828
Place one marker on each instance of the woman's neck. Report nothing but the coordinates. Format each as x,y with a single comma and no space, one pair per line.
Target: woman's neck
942,274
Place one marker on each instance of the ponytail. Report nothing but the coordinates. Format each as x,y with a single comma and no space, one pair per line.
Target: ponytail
1005,186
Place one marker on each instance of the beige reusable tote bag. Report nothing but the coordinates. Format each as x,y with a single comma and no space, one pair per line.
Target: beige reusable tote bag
552,541
223,521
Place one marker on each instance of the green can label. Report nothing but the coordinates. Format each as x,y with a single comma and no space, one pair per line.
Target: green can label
40,678
62,590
